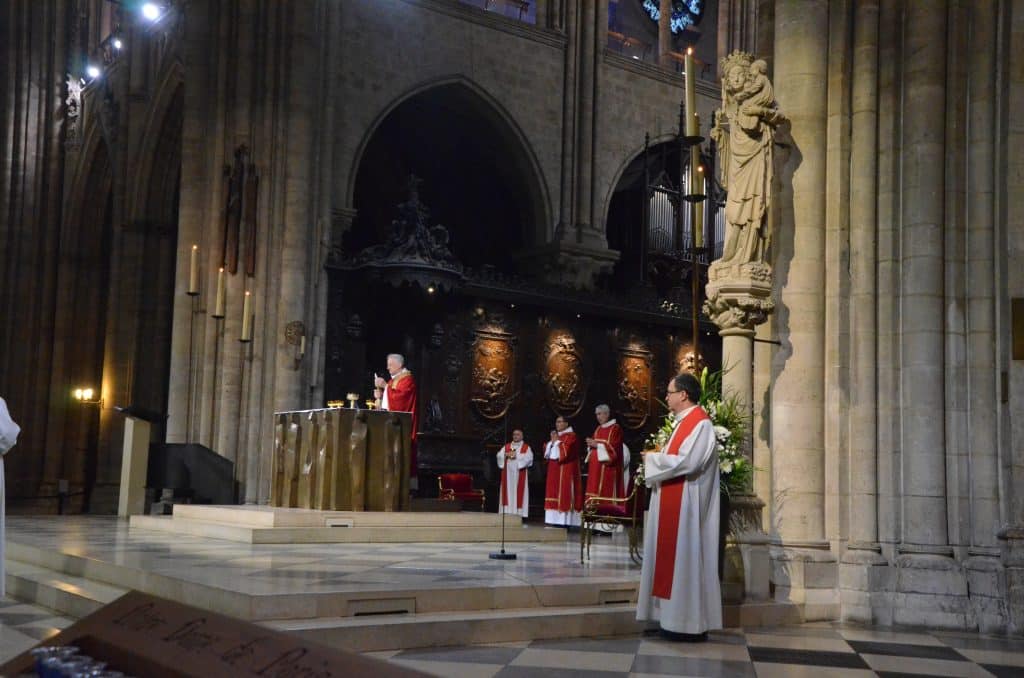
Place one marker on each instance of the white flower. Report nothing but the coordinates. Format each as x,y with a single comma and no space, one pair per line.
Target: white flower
722,433
726,466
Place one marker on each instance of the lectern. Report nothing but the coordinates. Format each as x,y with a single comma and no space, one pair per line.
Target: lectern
135,459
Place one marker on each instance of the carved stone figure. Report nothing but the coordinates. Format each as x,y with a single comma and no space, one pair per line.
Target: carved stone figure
744,130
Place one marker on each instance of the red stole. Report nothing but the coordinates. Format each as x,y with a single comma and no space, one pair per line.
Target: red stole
521,483
669,510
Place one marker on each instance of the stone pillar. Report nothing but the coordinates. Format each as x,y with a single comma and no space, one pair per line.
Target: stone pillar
578,251
803,566
887,288
859,571
981,386
736,305
665,33
1009,254
921,341
930,587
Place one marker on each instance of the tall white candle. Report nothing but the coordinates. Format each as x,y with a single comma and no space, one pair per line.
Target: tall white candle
193,271
690,74
247,317
218,309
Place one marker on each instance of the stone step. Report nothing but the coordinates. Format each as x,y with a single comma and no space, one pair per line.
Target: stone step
383,631
346,534
72,596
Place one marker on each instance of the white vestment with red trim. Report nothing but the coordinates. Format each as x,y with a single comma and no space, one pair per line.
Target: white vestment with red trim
695,602
514,493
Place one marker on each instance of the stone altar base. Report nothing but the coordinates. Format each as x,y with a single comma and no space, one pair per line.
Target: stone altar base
275,525
357,596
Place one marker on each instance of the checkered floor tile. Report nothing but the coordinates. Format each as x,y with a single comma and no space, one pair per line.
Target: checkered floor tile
817,650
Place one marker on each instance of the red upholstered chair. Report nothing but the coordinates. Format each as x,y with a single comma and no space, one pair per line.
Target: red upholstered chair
458,487
628,512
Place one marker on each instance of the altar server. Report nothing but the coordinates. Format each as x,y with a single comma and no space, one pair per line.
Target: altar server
514,458
563,496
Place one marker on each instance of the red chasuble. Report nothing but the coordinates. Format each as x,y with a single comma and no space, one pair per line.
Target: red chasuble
563,489
604,479
670,508
402,398
521,482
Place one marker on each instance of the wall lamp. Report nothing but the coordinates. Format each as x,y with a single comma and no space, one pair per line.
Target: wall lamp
87,396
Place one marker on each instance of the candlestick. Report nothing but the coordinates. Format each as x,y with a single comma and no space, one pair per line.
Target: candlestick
193,272
691,94
218,308
247,318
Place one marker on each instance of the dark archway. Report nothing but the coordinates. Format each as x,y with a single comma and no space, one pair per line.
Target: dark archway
478,179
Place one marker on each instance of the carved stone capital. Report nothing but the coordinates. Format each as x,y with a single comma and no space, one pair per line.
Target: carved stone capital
739,296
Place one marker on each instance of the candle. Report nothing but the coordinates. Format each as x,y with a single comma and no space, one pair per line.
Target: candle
691,95
193,271
698,222
218,309
247,317
302,349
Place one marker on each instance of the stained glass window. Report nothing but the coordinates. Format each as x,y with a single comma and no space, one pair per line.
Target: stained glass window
684,12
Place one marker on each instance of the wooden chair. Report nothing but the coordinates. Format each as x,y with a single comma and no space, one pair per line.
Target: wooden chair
458,486
628,512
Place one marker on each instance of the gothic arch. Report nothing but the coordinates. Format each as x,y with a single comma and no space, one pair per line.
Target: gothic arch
523,156
164,117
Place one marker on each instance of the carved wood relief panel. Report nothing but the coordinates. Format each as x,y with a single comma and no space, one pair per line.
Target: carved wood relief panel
634,386
494,368
563,374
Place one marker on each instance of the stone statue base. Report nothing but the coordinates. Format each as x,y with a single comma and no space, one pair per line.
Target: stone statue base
738,295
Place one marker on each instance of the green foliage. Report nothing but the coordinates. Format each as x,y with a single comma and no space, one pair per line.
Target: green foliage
729,419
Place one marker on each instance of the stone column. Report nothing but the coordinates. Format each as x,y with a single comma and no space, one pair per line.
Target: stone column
803,567
930,586
863,495
921,284
801,30
984,572
858,574
665,33
887,287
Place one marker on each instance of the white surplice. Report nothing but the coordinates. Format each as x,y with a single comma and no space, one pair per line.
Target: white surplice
8,438
695,603
523,461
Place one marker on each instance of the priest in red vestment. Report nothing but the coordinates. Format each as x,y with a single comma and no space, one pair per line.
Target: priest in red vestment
604,457
398,394
679,585
563,496
514,460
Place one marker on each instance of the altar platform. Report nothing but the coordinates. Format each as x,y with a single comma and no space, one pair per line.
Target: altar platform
360,596
276,525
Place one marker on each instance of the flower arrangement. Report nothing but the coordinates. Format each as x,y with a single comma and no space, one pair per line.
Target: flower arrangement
736,471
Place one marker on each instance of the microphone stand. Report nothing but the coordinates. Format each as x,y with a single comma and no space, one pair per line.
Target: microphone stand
503,555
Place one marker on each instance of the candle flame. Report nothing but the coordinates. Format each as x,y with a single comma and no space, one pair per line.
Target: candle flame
247,293
689,50
220,270
195,247
700,168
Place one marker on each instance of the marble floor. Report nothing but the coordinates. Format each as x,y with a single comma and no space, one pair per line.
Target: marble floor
265,569
811,650
820,649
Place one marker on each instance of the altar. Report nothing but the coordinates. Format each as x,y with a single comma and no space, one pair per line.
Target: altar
341,459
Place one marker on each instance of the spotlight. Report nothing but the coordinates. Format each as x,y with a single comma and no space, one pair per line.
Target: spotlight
92,71
431,289
116,42
151,11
